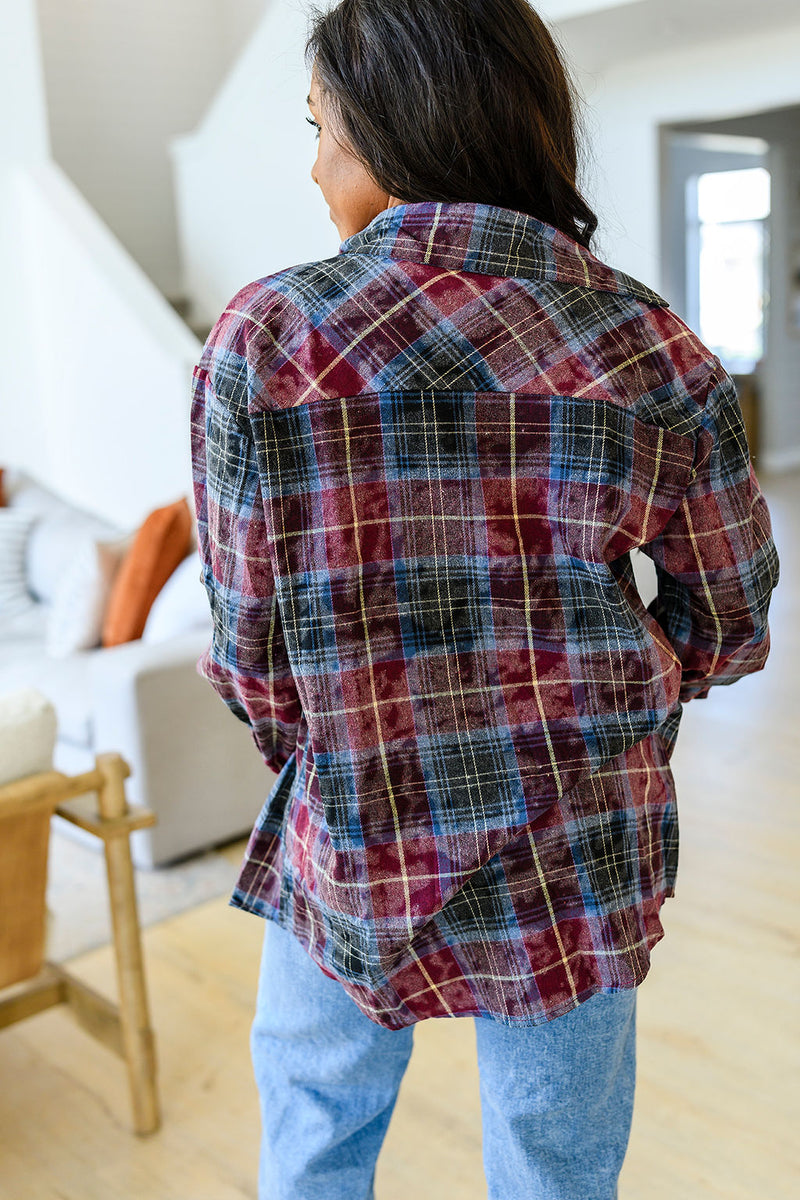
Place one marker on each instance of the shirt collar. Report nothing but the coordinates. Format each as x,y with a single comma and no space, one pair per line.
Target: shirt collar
488,240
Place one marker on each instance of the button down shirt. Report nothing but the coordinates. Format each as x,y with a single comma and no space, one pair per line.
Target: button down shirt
421,468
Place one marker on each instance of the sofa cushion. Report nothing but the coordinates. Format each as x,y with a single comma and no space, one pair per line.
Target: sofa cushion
16,601
57,536
22,628
162,542
182,604
66,683
79,605
53,545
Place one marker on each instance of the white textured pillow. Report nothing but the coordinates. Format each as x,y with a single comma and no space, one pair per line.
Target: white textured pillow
28,728
56,541
57,536
15,599
75,619
182,604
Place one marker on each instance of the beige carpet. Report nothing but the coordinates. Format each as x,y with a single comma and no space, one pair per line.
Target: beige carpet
77,892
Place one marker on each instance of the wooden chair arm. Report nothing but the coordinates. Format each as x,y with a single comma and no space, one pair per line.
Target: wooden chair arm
82,812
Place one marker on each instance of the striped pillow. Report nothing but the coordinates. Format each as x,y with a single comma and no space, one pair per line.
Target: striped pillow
15,599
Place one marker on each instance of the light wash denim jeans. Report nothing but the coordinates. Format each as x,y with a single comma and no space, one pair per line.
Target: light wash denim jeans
556,1098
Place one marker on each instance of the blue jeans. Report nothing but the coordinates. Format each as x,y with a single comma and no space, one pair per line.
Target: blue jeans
556,1098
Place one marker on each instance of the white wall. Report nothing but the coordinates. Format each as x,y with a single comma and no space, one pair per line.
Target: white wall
626,108
23,139
122,79
782,365
247,207
110,371
560,10
246,201
246,204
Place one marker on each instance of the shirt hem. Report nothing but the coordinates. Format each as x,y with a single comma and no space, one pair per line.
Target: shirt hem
639,969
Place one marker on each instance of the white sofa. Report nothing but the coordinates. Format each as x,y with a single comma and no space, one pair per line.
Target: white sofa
191,760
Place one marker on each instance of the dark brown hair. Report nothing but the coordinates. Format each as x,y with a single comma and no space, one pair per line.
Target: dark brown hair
455,100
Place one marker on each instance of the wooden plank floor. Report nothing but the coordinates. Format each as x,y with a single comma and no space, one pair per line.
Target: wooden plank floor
716,1113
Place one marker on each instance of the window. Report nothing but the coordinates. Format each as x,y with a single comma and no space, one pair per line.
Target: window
727,235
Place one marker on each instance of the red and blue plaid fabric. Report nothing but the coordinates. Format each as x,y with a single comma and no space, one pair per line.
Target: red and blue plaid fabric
420,469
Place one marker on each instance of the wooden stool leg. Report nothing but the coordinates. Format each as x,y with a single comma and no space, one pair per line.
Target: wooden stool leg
137,1034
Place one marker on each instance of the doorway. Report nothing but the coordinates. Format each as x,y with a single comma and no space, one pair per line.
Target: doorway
730,228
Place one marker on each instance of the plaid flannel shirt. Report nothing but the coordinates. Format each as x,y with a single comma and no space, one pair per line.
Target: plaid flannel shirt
421,468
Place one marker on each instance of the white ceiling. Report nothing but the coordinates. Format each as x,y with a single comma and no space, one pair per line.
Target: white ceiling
601,38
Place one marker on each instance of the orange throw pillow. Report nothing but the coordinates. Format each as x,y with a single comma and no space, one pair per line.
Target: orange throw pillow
160,545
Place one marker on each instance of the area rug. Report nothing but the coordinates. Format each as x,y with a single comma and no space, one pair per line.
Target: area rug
77,893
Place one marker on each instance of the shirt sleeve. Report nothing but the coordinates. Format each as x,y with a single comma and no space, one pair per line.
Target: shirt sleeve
715,560
246,663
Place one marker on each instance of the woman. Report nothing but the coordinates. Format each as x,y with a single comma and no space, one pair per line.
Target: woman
421,468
